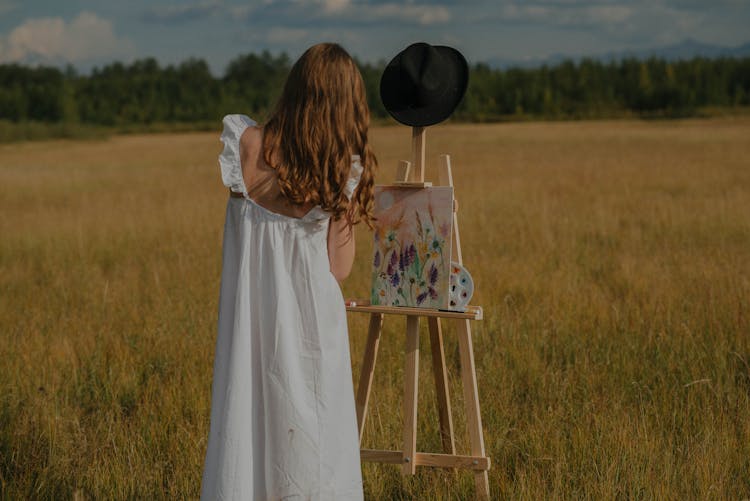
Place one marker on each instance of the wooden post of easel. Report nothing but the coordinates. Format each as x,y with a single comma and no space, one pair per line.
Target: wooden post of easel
408,457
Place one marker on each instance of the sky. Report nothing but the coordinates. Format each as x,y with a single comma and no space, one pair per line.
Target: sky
88,33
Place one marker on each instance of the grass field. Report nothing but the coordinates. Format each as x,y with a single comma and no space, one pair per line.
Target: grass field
612,260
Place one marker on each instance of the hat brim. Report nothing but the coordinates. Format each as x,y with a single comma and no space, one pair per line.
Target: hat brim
414,115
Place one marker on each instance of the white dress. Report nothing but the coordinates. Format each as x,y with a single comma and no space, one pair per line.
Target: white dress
283,421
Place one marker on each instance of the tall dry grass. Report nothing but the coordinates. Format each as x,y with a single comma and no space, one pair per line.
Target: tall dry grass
612,260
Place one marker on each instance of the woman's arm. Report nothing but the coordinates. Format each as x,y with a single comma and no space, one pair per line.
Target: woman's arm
341,247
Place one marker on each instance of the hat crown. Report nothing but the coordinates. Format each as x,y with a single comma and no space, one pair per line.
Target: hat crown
420,66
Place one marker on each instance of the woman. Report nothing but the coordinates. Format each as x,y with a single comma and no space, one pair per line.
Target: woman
283,421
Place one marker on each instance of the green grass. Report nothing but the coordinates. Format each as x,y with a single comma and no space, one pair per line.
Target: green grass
612,260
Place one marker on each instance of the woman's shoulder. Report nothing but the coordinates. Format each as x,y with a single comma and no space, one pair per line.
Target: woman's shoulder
251,138
234,126
251,154
243,132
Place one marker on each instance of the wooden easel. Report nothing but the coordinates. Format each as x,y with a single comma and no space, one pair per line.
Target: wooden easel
409,458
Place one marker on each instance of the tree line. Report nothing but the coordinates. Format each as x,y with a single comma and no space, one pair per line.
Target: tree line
145,92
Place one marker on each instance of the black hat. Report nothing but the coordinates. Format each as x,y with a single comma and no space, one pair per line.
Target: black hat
423,84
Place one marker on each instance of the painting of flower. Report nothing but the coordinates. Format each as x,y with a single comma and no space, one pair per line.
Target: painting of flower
412,246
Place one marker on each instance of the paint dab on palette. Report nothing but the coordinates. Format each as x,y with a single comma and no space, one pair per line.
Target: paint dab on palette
462,287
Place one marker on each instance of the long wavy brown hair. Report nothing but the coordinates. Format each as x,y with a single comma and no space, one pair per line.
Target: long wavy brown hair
320,121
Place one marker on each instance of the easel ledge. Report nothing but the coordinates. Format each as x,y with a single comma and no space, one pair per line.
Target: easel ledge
364,306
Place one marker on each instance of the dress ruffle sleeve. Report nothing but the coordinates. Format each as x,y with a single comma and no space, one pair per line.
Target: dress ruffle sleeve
229,160
354,175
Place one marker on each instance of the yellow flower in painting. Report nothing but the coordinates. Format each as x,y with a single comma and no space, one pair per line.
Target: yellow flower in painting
422,248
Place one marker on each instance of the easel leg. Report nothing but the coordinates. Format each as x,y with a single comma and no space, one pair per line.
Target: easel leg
411,379
368,368
441,386
471,399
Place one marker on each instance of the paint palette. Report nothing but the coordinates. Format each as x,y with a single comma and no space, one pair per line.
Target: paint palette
461,287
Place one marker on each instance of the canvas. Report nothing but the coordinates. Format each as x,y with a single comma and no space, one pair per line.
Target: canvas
412,246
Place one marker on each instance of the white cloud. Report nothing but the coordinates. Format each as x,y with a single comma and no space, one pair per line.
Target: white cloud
415,13
513,12
566,14
7,6
370,13
240,11
183,12
608,13
87,37
639,23
335,5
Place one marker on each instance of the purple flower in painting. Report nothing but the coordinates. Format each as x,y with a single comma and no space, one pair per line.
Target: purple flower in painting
412,253
421,297
407,257
395,279
433,274
402,260
392,262
433,293
394,258
376,261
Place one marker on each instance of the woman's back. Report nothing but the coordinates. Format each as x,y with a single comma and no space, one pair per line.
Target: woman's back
261,180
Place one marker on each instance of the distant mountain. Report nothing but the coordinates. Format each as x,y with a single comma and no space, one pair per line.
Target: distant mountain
687,49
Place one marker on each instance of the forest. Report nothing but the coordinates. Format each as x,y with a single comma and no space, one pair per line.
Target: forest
145,93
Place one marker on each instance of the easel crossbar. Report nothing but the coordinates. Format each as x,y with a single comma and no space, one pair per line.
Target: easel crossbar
427,459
